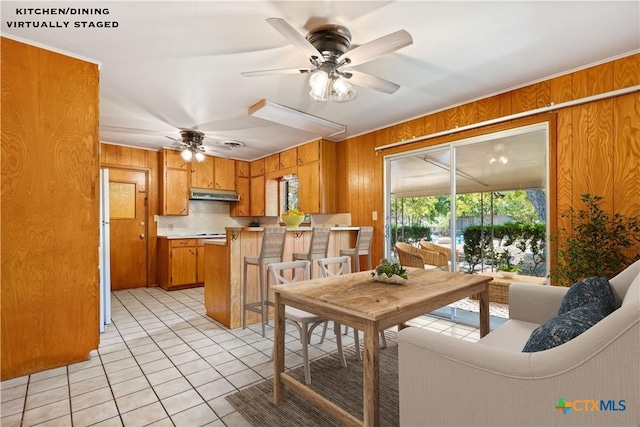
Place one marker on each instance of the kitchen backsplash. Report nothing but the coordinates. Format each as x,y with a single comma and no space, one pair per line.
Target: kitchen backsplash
204,216
213,217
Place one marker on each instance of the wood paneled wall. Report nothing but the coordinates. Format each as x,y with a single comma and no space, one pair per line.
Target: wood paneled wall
117,156
50,278
598,143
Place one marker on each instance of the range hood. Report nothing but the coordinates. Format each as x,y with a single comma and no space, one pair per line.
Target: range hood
214,195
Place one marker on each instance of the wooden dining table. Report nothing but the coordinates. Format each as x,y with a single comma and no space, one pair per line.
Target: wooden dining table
357,301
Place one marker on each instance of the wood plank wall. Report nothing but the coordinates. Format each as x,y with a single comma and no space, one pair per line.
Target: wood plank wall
50,277
117,156
598,143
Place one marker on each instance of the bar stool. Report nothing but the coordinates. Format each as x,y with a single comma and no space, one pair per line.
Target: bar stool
273,240
363,247
318,246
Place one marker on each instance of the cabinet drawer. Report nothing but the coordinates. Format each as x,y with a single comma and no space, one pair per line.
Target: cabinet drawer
180,243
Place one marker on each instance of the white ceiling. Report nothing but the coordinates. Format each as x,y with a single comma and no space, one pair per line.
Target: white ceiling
177,64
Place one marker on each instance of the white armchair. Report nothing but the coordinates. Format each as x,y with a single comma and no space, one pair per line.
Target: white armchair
447,381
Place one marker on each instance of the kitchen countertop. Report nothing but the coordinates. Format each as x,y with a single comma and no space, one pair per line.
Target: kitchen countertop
194,236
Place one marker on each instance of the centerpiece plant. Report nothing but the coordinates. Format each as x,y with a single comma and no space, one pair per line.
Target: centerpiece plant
388,269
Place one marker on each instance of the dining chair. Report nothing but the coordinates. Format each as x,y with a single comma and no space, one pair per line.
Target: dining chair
304,321
410,256
318,246
272,249
363,247
336,266
437,248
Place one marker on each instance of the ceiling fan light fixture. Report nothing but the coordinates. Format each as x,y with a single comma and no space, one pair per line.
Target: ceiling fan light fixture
319,82
341,88
192,145
187,154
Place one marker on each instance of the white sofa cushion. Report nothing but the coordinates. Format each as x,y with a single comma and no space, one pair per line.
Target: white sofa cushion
513,335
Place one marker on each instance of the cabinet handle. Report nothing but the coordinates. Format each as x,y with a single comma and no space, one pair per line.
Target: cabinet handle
193,253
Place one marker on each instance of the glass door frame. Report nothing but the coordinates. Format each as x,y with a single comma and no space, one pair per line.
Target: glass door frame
544,125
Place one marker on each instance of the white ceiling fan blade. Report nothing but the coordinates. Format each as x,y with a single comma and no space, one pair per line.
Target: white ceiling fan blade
295,38
375,48
372,82
276,71
175,140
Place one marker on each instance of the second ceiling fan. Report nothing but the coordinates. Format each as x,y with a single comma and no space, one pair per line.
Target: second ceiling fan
328,50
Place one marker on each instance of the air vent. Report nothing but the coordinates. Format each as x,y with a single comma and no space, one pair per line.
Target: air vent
233,144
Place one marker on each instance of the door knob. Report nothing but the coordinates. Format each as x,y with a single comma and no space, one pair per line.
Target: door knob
142,236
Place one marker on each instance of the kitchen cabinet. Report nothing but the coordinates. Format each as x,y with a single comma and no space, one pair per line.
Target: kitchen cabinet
288,158
200,261
224,172
202,173
257,204
243,169
243,188
174,183
309,152
272,163
257,167
316,179
280,164
180,263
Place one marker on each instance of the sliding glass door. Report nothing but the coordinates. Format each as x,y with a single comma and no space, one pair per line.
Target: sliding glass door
483,199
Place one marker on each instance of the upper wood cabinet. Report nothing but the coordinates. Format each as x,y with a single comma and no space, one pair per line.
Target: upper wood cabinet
174,160
309,152
257,207
202,173
317,179
288,158
174,183
243,168
257,167
243,188
272,163
224,172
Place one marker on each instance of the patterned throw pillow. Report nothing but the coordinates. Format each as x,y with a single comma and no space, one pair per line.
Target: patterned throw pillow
564,327
587,291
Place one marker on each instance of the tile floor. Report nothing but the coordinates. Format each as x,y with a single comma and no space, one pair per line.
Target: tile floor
163,362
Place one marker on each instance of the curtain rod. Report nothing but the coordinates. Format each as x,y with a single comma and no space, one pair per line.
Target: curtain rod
548,108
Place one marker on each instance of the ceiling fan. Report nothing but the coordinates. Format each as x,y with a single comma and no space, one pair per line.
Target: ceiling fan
328,50
191,145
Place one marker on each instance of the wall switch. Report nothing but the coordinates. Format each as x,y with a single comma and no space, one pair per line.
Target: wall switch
155,218
374,215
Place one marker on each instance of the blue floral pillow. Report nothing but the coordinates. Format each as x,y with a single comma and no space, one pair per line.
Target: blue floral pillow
587,291
564,327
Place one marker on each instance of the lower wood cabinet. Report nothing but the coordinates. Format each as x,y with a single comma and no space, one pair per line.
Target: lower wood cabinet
180,263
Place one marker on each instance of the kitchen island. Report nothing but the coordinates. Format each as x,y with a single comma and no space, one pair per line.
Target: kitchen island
224,267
